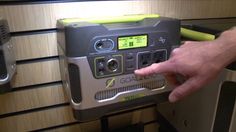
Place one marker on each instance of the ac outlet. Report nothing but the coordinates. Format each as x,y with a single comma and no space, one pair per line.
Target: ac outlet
159,56
144,59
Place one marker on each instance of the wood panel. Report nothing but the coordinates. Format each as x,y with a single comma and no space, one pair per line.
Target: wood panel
120,121
43,16
115,122
148,114
34,46
151,127
55,117
144,115
36,73
70,128
93,126
32,98
194,9
37,120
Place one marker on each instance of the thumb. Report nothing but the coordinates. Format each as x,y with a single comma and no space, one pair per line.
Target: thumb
185,89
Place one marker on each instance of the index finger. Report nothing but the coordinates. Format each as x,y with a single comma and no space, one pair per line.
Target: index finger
162,67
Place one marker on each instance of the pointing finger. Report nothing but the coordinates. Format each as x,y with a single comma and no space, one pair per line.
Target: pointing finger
162,67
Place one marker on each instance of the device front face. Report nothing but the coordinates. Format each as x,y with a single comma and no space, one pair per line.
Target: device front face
7,62
98,61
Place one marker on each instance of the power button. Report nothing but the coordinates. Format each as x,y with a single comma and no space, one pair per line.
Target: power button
104,45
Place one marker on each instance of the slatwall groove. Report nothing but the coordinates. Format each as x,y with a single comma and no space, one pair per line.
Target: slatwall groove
43,114
36,73
35,60
93,126
37,120
40,45
33,32
58,127
19,101
118,116
114,120
77,127
37,86
7,115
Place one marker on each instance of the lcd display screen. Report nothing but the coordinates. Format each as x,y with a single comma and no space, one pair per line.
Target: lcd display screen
129,42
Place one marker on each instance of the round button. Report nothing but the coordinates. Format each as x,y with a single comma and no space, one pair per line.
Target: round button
99,45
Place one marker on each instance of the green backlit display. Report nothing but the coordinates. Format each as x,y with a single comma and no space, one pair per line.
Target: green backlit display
129,42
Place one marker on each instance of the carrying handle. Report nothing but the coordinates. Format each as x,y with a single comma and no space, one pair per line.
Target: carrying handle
195,35
191,34
115,19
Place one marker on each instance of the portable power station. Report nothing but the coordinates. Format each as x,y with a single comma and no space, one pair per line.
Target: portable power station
7,59
98,58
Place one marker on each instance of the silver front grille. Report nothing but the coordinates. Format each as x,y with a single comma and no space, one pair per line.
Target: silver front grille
107,94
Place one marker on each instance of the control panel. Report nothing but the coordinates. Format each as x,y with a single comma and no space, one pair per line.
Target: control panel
114,55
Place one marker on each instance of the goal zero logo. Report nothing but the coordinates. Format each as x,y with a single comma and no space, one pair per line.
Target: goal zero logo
110,82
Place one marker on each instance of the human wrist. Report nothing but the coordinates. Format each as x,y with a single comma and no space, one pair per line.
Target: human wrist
226,46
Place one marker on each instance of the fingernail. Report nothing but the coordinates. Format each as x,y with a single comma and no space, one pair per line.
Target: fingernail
136,71
173,99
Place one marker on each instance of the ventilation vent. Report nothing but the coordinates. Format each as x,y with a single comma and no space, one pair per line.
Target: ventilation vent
4,33
107,94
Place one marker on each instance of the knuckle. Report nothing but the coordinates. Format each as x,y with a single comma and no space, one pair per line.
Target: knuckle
179,93
175,51
173,61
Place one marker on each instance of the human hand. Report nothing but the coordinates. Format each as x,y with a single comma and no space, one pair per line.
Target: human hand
198,62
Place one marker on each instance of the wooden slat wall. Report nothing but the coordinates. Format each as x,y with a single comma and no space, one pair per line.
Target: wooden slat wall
36,73
32,17
37,101
32,98
84,127
37,120
41,45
